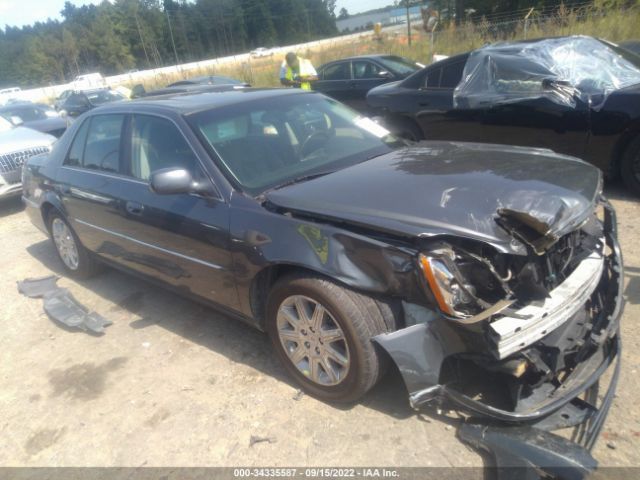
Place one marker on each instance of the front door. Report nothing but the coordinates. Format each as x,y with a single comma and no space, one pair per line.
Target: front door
366,75
182,239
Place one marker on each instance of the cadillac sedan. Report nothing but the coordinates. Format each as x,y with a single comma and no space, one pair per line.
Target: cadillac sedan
490,275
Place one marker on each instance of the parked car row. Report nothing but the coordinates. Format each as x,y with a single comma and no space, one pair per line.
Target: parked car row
525,94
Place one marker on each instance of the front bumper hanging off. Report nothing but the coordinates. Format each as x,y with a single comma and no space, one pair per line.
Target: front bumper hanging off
524,438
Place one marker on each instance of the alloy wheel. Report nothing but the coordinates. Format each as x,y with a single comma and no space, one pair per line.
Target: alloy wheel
313,340
65,243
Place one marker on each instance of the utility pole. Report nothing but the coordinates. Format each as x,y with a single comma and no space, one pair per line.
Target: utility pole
142,41
408,24
171,33
306,14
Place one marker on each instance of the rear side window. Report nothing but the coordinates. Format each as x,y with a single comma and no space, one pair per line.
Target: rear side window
74,157
338,71
451,75
102,150
156,143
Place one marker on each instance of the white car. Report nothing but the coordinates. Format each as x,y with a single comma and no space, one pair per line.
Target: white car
7,94
261,52
17,144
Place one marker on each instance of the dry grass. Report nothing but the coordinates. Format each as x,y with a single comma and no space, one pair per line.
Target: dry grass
600,20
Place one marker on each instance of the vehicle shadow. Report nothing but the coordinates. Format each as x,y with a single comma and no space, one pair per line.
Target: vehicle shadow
10,206
150,305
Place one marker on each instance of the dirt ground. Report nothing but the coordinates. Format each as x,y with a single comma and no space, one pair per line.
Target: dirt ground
172,383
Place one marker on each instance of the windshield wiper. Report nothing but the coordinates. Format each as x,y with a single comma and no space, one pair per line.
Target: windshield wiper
301,178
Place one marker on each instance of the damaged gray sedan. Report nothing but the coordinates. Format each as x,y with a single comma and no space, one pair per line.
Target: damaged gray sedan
490,275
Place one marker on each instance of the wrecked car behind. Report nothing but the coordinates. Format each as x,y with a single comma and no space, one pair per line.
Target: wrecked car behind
490,274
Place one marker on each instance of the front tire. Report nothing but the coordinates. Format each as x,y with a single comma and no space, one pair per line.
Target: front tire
630,166
76,260
322,334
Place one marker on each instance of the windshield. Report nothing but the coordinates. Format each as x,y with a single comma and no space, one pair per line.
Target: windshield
103,96
399,65
270,142
25,113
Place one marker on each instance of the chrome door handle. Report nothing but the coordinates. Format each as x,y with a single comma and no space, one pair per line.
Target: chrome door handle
134,208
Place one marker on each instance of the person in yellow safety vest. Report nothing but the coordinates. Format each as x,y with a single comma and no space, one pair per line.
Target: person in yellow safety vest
297,72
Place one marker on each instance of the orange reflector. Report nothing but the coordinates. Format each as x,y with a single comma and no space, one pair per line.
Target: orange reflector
433,284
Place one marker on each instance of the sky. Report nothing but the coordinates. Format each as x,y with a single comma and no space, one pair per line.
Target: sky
26,12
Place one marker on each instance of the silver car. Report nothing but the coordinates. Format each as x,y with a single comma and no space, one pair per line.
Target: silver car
17,144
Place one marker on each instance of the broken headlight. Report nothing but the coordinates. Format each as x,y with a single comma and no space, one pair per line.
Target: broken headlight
466,288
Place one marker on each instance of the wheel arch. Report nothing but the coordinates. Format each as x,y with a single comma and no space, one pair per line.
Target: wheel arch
48,205
262,283
621,146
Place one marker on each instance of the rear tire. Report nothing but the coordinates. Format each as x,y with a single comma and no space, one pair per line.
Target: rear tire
340,341
76,260
630,166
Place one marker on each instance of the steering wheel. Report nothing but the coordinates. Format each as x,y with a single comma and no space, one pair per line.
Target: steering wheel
319,136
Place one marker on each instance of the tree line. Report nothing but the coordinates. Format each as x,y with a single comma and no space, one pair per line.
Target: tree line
138,34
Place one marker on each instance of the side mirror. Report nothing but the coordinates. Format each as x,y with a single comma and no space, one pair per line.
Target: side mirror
63,113
16,120
385,74
174,181
171,181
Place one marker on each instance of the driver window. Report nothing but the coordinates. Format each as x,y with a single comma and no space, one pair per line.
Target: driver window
102,151
365,70
156,143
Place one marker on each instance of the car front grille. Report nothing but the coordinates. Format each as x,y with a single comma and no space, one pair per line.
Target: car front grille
10,162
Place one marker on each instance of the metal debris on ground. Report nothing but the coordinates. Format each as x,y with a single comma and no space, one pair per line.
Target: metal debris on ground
255,439
62,306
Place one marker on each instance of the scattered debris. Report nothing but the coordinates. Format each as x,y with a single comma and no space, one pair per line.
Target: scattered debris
611,445
62,306
255,439
38,287
298,395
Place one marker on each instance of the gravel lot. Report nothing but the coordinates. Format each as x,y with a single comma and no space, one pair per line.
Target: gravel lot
172,383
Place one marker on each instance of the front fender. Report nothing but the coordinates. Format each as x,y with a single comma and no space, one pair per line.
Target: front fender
261,239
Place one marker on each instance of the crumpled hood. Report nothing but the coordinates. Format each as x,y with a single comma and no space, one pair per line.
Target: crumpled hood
21,138
477,191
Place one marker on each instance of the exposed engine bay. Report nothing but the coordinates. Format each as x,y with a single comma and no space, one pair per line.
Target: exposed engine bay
517,338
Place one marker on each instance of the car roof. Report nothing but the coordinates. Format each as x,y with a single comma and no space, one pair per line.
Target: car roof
187,103
23,104
366,57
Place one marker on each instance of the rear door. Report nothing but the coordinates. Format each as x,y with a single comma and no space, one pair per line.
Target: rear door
90,179
434,106
180,239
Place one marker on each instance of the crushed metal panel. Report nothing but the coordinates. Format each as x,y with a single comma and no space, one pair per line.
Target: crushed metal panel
38,287
533,322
